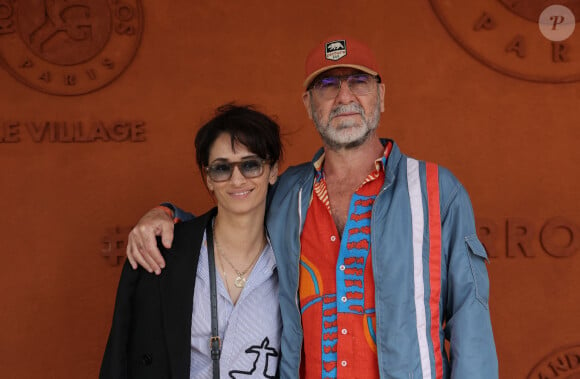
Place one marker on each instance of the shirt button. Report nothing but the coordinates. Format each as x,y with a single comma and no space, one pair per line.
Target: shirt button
341,267
333,238
344,331
343,363
343,299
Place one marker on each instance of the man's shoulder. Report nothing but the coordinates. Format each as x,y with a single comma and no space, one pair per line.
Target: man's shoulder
448,182
443,172
296,170
293,179
294,174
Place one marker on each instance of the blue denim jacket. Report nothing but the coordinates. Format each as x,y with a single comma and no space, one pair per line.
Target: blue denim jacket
400,239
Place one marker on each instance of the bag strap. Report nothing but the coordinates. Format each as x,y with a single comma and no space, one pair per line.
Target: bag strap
215,342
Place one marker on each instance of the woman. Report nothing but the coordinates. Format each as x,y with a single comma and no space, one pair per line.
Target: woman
162,324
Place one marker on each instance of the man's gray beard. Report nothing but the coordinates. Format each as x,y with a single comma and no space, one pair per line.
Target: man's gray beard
334,145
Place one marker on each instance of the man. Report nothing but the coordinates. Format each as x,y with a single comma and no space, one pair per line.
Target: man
378,260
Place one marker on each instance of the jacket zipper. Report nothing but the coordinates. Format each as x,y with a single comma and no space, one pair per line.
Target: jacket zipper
298,278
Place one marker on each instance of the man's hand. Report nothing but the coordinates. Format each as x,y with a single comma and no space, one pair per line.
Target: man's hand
142,245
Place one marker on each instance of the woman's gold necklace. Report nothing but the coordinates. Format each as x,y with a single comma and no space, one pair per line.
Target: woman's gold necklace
221,264
240,280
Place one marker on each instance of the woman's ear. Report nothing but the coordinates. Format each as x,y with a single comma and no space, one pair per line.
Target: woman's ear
273,173
208,183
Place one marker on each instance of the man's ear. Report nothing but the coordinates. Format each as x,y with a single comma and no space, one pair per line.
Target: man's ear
382,96
306,101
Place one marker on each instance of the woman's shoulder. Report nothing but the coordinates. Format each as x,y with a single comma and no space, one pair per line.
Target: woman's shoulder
188,233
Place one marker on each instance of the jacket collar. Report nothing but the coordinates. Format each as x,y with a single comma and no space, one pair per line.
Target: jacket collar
392,162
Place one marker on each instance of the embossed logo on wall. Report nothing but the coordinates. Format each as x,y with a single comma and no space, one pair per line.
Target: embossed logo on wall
516,237
563,363
69,47
505,35
114,244
73,131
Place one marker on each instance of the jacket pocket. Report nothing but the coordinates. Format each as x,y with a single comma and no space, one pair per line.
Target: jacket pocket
477,257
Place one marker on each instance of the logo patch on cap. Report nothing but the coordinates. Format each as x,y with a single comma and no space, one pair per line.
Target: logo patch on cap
335,49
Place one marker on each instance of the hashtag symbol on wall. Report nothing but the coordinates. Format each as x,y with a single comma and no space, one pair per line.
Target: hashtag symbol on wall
115,243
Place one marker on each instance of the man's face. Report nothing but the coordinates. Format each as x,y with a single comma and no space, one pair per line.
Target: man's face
346,120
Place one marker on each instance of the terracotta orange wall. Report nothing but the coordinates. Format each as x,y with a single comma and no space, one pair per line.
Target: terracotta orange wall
512,142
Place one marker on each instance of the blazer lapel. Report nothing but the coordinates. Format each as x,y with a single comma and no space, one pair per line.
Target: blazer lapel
177,282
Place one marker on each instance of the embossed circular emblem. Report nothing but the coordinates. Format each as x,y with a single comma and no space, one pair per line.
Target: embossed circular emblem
69,47
557,23
505,35
563,363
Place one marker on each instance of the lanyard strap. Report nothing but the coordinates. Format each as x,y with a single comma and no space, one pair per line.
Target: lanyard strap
215,342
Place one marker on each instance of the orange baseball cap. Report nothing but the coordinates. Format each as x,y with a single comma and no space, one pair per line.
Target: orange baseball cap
339,51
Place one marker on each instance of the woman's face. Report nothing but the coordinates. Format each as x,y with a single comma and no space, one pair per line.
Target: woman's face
239,195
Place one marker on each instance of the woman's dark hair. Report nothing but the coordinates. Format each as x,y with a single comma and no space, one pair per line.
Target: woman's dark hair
245,125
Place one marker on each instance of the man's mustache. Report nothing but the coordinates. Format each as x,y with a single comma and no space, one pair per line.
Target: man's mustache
342,109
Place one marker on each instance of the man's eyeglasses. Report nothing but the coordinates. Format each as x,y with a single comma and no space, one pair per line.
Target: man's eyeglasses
223,170
359,84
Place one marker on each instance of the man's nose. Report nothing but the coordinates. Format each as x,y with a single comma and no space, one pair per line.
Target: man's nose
344,95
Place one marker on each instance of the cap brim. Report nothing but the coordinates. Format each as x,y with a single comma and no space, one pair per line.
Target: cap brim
311,77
